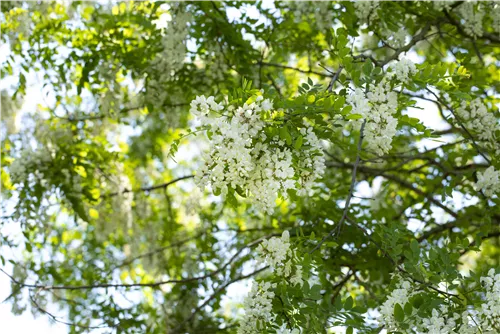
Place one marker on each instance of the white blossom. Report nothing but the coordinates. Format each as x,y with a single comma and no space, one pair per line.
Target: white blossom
400,296
490,309
284,330
403,69
276,253
483,124
297,276
258,308
303,11
366,10
488,181
377,108
439,322
241,157
472,15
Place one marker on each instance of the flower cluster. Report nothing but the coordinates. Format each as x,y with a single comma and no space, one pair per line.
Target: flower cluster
303,12
439,321
473,13
284,330
403,69
490,309
396,39
366,9
400,296
482,123
445,318
258,307
473,18
172,57
167,63
276,253
377,108
440,5
30,161
242,158
488,181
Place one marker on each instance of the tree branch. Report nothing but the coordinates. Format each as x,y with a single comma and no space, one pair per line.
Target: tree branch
155,187
351,190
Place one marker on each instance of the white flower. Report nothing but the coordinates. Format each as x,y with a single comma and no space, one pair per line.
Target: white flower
258,308
483,124
488,181
403,69
366,9
490,309
472,14
284,330
377,108
297,276
275,251
241,157
400,296
267,105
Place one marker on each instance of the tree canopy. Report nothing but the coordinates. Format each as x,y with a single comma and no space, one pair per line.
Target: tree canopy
252,167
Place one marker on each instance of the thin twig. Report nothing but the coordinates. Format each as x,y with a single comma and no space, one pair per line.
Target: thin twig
335,78
294,69
351,190
155,187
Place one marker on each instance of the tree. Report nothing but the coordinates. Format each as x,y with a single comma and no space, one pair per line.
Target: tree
253,167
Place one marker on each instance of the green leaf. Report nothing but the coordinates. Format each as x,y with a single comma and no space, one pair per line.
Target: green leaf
338,303
399,314
339,103
285,135
348,303
354,116
298,142
415,248
349,330
367,68
408,309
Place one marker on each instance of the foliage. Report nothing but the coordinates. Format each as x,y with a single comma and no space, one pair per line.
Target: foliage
253,167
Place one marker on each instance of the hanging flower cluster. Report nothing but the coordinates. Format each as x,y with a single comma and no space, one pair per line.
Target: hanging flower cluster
403,70
366,10
377,107
488,181
378,103
276,253
445,318
400,296
258,308
482,123
243,158
490,309
473,14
